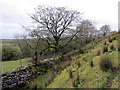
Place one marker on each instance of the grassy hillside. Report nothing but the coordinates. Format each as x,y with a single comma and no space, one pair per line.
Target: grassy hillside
90,77
80,73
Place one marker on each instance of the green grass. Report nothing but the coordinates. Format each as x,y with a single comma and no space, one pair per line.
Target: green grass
8,66
60,81
39,81
93,77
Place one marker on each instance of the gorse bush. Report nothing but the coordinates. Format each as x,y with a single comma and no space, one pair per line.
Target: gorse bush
81,51
106,63
105,43
61,57
118,46
110,39
114,38
75,82
91,63
70,74
84,59
78,63
105,48
78,81
48,80
112,47
98,53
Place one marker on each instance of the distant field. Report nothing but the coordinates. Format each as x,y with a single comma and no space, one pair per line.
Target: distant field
8,66
10,41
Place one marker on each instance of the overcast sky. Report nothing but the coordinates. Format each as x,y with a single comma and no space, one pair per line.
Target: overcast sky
14,12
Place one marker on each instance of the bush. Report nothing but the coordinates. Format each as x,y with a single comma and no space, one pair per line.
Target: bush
84,59
105,43
9,53
98,53
78,63
112,47
76,81
118,46
81,51
106,63
61,57
114,38
105,49
45,84
70,74
91,63
110,40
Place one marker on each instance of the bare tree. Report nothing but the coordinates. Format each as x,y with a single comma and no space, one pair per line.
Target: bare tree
17,37
31,45
105,30
87,31
35,45
54,23
22,45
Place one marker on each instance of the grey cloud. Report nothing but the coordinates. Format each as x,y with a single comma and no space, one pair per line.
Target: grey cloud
10,20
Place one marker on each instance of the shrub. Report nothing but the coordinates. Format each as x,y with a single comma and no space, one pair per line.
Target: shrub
9,53
98,53
78,63
91,63
112,47
78,81
106,63
110,39
118,46
81,51
35,87
84,59
70,74
61,57
105,49
105,43
74,82
45,84
114,38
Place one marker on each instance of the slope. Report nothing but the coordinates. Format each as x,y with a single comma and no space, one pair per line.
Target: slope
87,76
83,70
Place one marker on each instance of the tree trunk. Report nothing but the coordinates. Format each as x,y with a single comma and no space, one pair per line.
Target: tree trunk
35,58
56,45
